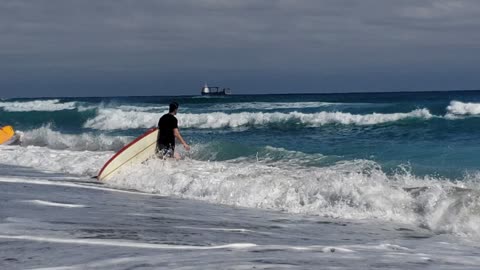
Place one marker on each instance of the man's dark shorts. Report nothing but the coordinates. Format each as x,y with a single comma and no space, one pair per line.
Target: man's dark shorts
164,151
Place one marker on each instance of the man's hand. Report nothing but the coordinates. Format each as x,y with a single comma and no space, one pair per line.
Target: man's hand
187,147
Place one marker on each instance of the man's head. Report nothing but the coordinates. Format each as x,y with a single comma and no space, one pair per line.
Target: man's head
173,107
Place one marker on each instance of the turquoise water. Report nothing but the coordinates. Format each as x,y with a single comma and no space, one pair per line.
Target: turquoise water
426,133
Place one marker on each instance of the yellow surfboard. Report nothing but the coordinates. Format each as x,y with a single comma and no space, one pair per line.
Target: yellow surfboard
6,134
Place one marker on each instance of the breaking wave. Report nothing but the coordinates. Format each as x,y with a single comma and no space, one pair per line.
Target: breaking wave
85,163
357,189
112,119
458,108
37,105
47,137
348,190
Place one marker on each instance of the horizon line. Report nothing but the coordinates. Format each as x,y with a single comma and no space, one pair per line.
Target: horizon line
258,94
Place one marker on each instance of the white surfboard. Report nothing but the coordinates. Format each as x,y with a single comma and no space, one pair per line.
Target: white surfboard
139,150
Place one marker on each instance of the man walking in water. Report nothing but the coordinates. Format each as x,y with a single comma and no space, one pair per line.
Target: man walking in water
167,132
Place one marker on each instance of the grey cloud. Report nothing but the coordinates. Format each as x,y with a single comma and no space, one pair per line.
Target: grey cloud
311,36
104,25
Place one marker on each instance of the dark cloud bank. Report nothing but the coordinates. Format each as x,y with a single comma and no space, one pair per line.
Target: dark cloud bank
119,47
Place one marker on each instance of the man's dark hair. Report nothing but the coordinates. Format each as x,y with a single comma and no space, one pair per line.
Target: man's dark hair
173,106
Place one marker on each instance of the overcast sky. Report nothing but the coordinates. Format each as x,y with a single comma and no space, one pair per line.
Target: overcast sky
146,47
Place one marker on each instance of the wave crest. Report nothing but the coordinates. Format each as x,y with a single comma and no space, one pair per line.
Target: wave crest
458,108
111,119
84,163
45,136
37,105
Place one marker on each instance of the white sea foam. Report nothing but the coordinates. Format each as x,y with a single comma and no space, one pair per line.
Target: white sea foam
458,108
222,120
55,204
37,105
216,229
348,190
326,191
82,183
352,190
45,136
118,243
142,245
65,161
111,119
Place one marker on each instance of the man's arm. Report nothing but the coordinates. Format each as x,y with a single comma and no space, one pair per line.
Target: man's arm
177,134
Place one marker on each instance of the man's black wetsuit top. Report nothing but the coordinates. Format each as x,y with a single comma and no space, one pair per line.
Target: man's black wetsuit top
166,138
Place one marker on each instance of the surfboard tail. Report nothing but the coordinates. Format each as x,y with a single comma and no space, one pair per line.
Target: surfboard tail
137,151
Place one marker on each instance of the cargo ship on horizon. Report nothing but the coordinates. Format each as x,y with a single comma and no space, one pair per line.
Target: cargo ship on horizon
215,91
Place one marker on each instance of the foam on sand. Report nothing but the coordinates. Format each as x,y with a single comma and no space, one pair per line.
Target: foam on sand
85,163
59,183
141,245
55,204
348,190
216,229
114,243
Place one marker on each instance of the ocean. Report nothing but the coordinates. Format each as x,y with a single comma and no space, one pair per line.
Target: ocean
299,181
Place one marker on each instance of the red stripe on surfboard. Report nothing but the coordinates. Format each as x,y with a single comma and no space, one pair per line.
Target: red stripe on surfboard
125,148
